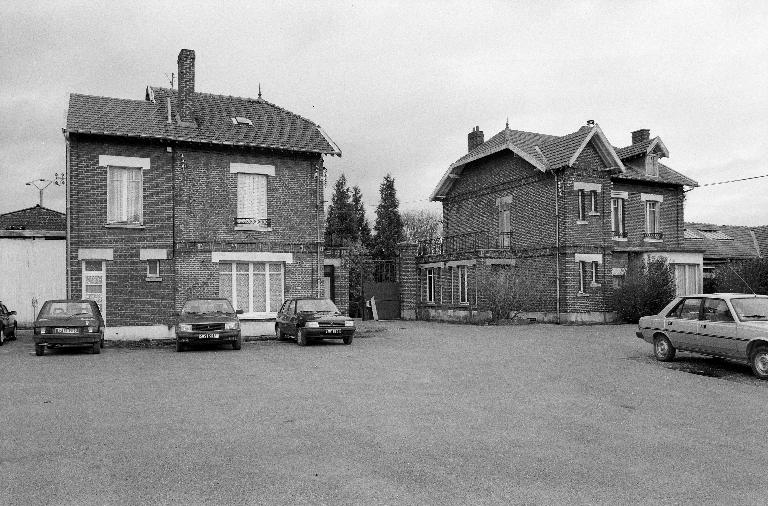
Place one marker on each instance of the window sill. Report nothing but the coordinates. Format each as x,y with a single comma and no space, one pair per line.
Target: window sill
582,222
594,285
125,225
648,239
153,279
253,228
594,213
622,239
257,316
582,294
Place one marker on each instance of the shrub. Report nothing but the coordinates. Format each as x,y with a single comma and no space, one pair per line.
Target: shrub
648,287
744,276
506,292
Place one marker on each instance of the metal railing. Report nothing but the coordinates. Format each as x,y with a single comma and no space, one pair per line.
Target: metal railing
653,235
619,235
259,222
471,241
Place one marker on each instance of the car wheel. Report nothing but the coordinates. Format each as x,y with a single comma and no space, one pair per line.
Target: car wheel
759,362
663,349
101,342
238,343
96,348
2,336
348,339
12,334
39,350
301,338
279,333
179,346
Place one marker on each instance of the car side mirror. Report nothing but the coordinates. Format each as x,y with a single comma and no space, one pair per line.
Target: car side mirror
239,311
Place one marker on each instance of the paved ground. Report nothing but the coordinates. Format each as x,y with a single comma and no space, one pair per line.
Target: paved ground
413,413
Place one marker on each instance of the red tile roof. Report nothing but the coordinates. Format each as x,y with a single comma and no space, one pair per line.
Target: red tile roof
273,127
722,241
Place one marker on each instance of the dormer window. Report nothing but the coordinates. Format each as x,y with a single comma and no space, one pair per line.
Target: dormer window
652,165
240,120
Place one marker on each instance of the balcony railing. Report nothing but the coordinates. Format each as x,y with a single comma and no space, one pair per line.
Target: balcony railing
653,235
256,222
471,241
619,235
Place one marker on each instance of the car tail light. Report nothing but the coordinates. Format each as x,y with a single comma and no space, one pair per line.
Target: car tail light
349,323
312,325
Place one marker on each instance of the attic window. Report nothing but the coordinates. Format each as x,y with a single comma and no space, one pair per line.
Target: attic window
652,165
240,120
716,235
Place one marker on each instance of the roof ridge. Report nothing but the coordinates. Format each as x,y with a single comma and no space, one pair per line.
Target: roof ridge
141,101
259,100
36,206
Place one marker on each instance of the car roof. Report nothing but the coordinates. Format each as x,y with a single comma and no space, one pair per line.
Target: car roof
727,295
77,301
206,298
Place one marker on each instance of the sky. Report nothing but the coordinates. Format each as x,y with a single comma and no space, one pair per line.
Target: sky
398,85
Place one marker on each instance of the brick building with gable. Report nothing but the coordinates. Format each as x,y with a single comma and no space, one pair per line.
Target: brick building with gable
187,194
568,212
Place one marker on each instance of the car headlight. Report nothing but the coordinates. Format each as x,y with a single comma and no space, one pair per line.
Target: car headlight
185,327
349,323
231,325
312,325
92,330
39,330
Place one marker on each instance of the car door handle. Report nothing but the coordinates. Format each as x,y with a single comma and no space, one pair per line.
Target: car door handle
669,323
703,325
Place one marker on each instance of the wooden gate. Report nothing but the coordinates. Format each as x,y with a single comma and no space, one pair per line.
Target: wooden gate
379,280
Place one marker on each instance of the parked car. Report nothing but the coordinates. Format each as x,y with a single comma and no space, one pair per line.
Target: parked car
69,323
309,319
727,325
208,321
7,324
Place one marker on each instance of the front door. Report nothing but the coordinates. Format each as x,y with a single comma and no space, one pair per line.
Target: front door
95,284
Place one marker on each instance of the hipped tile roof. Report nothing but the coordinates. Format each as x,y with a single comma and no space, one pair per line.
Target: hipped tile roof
740,244
273,127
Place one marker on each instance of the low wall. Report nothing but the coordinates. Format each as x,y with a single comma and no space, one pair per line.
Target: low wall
248,328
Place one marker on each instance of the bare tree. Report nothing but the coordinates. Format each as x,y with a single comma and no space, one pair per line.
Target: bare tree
422,225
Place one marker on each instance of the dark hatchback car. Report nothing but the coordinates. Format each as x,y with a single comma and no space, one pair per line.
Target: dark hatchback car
7,323
309,319
69,323
208,321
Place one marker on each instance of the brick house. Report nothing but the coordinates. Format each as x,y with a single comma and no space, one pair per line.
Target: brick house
189,194
568,212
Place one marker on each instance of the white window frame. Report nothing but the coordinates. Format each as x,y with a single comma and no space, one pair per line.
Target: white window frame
505,227
617,218
262,174
269,311
582,204
582,276
103,273
431,285
593,202
595,275
652,226
123,219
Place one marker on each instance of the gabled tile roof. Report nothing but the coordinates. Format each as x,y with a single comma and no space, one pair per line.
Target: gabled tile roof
722,241
273,127
634,149
666,175
34,218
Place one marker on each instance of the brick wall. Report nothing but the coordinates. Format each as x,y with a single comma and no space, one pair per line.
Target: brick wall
206,206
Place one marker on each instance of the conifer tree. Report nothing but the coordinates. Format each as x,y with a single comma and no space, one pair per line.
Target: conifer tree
340,229
361,222
389,224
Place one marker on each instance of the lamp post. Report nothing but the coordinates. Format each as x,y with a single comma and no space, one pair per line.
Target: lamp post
41,184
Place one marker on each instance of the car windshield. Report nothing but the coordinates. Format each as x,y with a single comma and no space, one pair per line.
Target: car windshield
207,307
751,309
316,306
65,309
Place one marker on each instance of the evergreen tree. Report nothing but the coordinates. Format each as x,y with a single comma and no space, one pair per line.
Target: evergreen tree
340,229
361,222
389,224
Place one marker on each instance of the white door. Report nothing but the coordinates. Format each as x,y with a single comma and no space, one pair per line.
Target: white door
95,284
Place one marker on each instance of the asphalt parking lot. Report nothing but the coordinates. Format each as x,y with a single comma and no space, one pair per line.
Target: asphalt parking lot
412,412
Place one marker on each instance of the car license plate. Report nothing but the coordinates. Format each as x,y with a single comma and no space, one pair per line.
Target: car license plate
59,330
333,331
208,336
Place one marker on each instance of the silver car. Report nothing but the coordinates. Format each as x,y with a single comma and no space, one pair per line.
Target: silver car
728,325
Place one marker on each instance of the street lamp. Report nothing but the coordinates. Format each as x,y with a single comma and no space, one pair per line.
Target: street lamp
41,184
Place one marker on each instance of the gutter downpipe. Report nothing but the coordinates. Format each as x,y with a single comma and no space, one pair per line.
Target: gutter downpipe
68,211
557,246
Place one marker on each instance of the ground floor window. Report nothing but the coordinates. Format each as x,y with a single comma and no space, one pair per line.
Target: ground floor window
687,280
430,285
254,287
95,283
462,274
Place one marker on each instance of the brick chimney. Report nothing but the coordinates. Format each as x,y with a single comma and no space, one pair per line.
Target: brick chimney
475,138
186,84
641,135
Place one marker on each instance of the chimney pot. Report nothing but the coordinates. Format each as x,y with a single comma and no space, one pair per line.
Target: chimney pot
186,63
641,135
475,138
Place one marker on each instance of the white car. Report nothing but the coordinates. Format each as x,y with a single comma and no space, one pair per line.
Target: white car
728,325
